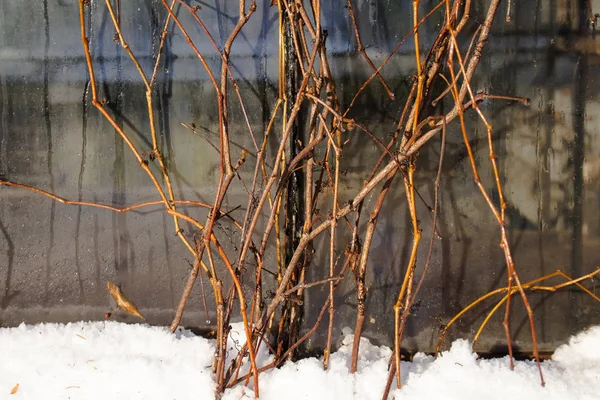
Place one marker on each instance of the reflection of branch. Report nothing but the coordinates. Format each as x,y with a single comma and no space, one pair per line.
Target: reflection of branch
434,229
10,253
361,50
195,132
389,57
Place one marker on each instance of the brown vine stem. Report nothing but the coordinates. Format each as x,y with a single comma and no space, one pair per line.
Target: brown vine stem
123,210
195,132
242,20
447,90
328,131
337,154
120,210
163,37
404,296
362,267
511,271
406,288
306,20
420,76
465,17
528,286
100,106
389,57
290,8
227,172
155,150
170,208
436,190
244,313
275,171
212,215
225,154
411,300
432,65
508,16
225,58
260,166
354,203
307,335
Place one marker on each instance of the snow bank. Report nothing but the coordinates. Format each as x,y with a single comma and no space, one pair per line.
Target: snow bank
104,360
109,360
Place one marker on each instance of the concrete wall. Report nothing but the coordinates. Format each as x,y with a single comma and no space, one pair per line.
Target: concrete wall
55,259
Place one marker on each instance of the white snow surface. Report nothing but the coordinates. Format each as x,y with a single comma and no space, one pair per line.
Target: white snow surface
110,360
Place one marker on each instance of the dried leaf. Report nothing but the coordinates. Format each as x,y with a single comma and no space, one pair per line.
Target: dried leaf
122,302
15,389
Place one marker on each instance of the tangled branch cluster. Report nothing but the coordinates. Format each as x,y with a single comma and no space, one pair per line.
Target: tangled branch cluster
313,93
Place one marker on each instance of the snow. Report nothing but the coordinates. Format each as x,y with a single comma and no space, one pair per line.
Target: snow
103,360
106,360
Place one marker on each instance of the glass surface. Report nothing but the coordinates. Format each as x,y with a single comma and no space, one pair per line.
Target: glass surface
55,258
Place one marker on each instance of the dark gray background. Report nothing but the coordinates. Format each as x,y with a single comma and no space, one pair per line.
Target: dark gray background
55,259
